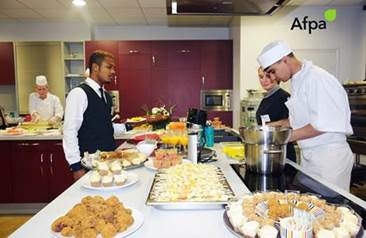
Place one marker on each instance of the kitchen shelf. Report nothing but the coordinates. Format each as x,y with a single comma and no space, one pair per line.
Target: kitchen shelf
74,64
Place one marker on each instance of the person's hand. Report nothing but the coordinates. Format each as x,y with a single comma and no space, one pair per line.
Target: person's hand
36,117
53,120
78,174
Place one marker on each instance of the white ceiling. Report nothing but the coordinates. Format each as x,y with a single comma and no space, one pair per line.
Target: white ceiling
118,12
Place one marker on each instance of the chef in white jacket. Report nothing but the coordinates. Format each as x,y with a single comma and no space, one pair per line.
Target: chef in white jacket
319,113
44,106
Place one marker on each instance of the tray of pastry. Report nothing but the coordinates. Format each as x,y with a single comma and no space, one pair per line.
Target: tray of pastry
190,186
129,159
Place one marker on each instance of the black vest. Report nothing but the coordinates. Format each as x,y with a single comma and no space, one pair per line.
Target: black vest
96,131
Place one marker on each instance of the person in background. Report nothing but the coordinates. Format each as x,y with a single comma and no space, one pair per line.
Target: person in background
88,113
44,106
272,106
319,113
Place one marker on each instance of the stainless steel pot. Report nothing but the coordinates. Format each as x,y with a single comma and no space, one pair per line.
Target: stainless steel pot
265,148
265,135
265,160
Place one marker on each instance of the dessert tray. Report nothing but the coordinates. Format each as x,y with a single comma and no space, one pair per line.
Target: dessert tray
290,214
131,178
150,165
190,186
129,159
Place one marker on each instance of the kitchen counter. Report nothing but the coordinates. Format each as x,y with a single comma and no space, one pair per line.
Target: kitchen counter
125,136
157,223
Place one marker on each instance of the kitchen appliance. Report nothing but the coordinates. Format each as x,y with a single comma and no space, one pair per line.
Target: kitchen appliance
292,179
197,116
265,148
249,106
221,7
216,100
357,100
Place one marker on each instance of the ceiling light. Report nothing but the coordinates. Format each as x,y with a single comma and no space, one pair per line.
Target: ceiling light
79,3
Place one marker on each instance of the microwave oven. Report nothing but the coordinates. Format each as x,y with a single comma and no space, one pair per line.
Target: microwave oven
216,100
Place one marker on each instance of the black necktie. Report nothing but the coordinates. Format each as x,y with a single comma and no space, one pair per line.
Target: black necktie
102,94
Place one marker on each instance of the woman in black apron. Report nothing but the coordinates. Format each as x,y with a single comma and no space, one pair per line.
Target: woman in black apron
272,106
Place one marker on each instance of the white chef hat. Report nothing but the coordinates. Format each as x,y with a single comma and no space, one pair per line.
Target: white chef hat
41,80
272,53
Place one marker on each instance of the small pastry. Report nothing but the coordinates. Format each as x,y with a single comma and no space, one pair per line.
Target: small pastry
267,232
95,179
341,232
324,233
115,167
250,229
126,163
103,168
120,179
107,180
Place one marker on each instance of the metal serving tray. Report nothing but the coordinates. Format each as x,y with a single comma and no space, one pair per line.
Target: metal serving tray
188,204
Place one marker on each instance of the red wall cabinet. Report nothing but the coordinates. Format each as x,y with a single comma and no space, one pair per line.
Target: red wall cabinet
217,64
109,46
134,71
40,172
7,69
6,194
167,72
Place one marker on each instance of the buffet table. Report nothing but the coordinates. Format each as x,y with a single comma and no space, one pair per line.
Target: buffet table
157,222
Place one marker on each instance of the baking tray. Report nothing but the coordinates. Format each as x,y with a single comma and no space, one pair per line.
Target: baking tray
189,205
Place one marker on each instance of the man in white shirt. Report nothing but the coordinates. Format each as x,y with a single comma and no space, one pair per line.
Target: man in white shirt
88,113
319,113
44,106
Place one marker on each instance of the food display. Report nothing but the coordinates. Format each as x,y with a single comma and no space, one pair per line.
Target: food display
135,119
291,215
233,150
192,184
165,158
143,127
94,216
130,158
13,131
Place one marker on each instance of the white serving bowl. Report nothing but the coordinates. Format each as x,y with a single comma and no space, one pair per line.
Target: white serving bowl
146,147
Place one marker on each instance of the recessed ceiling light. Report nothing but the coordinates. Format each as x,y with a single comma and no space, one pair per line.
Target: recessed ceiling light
79,3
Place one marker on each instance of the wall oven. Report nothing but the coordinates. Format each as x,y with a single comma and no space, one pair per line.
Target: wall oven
216,100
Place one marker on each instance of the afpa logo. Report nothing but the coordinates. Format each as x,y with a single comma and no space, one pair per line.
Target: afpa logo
310,25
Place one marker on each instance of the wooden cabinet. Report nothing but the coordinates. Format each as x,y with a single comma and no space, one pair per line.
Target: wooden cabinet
29,172
7,69
166,72
134,70
40,172
59,176
109,46
217,64
6,175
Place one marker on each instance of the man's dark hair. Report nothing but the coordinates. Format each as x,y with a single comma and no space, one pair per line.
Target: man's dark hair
291,55
97,57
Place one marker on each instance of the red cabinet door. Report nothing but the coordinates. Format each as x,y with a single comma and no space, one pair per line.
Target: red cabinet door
175,75
216,64
29,172
6,173
109,46
135,62
7,71
60,176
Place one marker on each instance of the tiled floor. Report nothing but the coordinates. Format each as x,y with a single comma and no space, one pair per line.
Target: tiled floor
9,223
